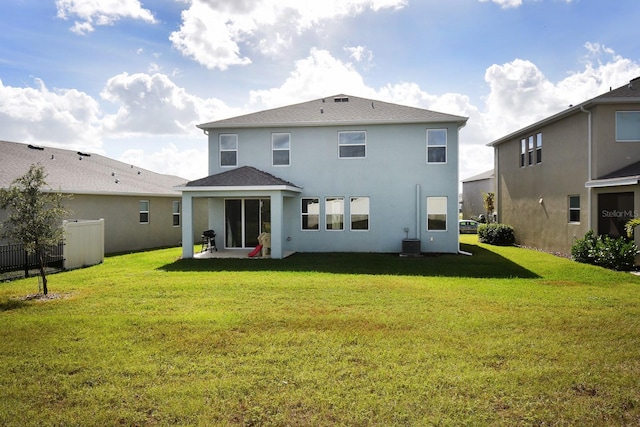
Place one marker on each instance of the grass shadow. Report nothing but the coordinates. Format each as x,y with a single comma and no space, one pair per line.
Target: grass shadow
481,264
11,304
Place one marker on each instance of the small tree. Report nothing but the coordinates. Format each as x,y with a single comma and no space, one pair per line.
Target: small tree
34,218
488,200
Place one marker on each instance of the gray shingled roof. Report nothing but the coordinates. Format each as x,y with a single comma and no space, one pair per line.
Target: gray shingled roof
631,170
338,109
74,172
244,176
630,90
484,175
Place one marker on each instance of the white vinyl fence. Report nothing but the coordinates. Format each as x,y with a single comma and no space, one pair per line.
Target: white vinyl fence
84,243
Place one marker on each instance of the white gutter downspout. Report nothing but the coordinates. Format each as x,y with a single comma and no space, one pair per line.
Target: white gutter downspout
589,168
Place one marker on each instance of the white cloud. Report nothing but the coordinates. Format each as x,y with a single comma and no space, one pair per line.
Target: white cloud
189,164
37,115
359,53
506,4
153,104
318,75
101,12
215,32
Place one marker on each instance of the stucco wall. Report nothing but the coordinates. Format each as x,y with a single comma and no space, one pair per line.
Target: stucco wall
393,168
563,172
609,155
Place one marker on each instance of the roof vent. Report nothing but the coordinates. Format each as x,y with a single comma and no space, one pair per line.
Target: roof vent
35,147
341,99
81,154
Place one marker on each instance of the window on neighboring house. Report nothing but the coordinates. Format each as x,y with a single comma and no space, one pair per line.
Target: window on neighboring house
310,213
628,126
530,152
176,214
539,147
334,213
144,211
523,152
436,145
228,150
352,144
574,208
281,149
359,211
436,213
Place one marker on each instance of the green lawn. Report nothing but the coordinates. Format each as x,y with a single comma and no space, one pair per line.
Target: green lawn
505,337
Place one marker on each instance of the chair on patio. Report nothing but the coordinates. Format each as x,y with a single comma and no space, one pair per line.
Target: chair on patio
208,241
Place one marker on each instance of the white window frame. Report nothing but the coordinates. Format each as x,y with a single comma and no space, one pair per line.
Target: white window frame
435,209
531,151
333,209
538,154
274,149
523,152
634,116
356,209
308,214
144,212
347,144
176,214
437,145
227,150
574,209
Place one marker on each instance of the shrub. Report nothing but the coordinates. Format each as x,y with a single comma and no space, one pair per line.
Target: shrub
496,234
604,251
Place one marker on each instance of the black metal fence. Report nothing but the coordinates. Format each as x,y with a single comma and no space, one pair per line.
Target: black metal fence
13,257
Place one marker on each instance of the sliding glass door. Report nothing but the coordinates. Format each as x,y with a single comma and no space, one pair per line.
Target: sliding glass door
245,219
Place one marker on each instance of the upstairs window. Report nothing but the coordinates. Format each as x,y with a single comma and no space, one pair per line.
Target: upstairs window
531,150
228,150
144,212
281,149
352,145
627,126
436,145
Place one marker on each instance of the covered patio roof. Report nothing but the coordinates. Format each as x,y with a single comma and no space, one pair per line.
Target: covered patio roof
244,178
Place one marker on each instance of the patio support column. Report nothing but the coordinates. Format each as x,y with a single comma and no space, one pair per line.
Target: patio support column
187,225
277,212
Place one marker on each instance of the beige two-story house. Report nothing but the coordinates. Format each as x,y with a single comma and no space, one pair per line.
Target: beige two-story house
572,172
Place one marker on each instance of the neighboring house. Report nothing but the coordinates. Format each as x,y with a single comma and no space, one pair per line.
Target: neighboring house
473,189
337,174
572,172
140,208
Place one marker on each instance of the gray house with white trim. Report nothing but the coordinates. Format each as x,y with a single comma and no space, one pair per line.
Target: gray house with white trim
336,174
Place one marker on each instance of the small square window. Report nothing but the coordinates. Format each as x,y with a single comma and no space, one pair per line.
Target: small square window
352,144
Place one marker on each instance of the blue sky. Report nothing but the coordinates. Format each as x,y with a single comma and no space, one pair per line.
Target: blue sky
130,79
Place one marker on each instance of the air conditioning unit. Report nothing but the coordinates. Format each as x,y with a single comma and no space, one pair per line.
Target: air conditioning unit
410,247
